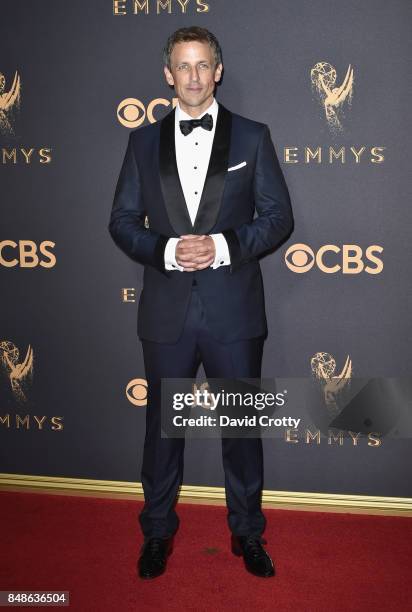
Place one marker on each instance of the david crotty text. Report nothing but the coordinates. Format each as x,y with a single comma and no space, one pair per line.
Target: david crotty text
225,421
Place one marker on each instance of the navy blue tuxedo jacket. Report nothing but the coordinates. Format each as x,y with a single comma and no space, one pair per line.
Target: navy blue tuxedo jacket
250,206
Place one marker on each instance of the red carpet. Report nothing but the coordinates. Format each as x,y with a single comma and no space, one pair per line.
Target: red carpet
89,546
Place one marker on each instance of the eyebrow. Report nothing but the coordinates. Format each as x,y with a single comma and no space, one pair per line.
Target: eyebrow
199,62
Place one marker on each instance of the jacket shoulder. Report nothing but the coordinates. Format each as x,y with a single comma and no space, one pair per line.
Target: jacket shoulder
145,132
248,125
248,129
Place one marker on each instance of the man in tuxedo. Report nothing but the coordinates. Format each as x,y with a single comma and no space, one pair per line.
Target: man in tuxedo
199,175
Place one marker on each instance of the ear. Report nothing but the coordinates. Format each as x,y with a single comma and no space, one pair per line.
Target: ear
218,72
169,76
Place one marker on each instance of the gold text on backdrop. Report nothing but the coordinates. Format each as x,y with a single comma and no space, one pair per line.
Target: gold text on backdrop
146,7
25,254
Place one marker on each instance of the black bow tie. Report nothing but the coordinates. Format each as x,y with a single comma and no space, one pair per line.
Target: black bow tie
187,125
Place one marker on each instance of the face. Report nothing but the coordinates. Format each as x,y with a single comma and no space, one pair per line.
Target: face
193,74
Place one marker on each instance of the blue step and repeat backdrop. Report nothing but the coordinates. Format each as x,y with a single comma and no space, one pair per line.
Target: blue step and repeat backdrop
330,78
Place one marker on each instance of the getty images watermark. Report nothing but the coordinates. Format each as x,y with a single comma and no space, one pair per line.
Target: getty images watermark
208,400
286,408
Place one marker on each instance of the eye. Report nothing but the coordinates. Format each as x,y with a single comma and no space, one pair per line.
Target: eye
136,392
131,112
299,258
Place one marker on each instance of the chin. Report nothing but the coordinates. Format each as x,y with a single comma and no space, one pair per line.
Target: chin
195,98
194,102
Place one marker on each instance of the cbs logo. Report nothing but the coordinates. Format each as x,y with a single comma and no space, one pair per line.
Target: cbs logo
131,112
136,392
331,259
26,254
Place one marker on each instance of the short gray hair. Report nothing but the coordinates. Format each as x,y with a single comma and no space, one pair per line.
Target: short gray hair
193,33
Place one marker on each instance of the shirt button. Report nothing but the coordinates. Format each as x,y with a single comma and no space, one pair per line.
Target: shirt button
195,167
195,192
196,143
221,263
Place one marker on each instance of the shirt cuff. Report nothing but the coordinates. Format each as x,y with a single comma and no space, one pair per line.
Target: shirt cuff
170,255
222,257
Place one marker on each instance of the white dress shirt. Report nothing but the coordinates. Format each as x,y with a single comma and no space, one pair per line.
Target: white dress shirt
192,157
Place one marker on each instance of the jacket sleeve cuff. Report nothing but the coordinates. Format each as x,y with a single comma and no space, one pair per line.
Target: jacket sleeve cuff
159,254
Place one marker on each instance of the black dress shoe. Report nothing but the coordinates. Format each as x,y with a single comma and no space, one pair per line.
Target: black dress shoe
257,560
153,560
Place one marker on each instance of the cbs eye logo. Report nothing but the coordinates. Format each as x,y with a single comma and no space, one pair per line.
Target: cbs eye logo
136,392
331,259
131,112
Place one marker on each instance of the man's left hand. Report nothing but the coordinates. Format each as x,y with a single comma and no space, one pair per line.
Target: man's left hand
195,252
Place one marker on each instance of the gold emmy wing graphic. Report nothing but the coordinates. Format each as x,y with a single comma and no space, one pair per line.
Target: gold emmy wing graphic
19,374
9,101
323,79
323,367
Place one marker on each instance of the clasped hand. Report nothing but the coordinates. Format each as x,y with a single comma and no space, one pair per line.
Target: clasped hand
195,252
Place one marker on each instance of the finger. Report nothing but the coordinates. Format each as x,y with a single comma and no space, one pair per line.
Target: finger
184,250
205,261
204,265
191,245
187,263
193,236
195,263
193,266
197,247
202,259
186,257
199,253
194,253
202,252
190,268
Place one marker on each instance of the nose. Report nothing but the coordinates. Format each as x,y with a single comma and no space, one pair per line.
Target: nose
194,74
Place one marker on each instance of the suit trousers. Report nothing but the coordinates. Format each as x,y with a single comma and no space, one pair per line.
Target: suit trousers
162,469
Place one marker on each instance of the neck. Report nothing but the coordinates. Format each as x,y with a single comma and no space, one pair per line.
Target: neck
196,111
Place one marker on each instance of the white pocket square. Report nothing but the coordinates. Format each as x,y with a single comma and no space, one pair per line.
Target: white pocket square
237,167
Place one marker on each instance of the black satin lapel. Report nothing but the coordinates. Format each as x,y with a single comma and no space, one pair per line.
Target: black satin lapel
216,174
169,178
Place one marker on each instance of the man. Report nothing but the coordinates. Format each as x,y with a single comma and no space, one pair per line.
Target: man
199,175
